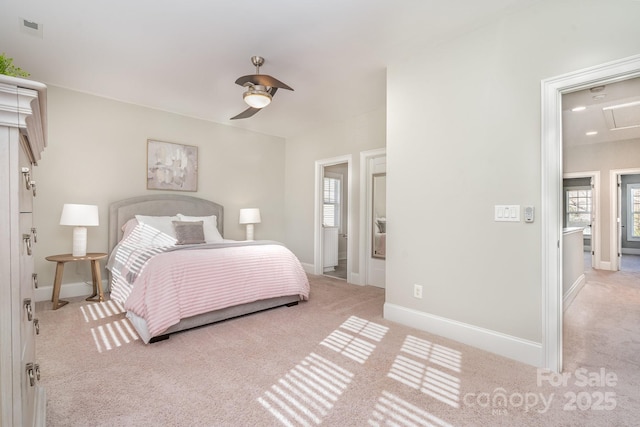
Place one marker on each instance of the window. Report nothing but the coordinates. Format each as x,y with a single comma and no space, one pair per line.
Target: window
578,208
331,200
633,212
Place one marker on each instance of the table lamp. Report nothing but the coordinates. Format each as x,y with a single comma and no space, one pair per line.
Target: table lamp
80,217
250,216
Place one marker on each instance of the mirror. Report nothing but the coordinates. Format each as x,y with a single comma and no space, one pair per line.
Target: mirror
379,215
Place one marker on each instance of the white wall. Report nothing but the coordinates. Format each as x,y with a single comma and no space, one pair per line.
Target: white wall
472,140
97,154
351,136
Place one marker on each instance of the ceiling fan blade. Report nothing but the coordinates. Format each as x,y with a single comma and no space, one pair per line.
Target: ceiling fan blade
262,79
246,113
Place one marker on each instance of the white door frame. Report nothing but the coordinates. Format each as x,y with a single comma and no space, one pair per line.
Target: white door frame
366,222
596,258
365,218
614,237
317,221
551,188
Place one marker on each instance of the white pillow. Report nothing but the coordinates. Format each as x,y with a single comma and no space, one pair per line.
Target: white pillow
128,227
161,223
209,224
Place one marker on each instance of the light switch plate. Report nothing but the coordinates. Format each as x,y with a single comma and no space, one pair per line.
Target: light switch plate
507,213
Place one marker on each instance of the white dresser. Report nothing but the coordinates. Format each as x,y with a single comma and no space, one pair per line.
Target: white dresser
23,137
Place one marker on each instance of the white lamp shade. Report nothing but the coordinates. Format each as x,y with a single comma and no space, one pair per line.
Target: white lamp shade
79,215
250,216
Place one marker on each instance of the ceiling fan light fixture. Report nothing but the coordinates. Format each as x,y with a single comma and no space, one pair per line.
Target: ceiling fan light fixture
257,96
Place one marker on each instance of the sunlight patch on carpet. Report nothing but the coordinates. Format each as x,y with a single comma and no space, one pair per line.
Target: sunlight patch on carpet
365,328
306,394
353,346
113,335
434,353
392,410
100,310
109,335
419,375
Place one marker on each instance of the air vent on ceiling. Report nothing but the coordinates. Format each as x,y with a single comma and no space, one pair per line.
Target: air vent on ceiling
30,27
623,116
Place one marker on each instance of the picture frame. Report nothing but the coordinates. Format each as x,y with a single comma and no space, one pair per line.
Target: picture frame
171,166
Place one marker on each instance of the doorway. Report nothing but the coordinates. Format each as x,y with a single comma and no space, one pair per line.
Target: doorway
584,187
625,238
332,220
373,232
551,207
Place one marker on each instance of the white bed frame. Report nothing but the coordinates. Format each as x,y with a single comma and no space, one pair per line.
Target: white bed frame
171,204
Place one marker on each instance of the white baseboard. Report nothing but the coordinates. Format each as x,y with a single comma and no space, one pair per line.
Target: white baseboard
630,251
308,268
519,349
354,278
68,290
573,291
605,265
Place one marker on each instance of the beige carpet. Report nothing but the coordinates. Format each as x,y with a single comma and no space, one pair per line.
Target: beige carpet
334,361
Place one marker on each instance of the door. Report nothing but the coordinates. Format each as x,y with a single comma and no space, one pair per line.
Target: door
377,222
619,225
333,217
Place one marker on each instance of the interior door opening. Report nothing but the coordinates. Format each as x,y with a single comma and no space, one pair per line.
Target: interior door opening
332,218
373,217
552,169
581,208
335,232
625,230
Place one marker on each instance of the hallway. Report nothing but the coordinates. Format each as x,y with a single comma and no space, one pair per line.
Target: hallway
602,331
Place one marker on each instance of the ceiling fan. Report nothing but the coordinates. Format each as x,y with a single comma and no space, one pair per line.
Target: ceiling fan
260,89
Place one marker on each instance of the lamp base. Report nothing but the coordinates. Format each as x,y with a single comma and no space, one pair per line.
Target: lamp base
79,241
249,231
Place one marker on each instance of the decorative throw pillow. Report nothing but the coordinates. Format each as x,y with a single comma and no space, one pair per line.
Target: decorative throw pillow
210,225
189,232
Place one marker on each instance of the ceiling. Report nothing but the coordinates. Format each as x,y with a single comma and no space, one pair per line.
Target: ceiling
184,56
612,110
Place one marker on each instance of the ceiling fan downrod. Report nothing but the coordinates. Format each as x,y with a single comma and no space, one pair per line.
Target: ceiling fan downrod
257,61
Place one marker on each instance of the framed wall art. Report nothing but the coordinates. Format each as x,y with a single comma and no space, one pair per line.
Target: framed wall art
171,166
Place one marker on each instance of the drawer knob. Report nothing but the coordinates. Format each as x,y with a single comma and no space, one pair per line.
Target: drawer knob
27,242
31,374
26,173
27,306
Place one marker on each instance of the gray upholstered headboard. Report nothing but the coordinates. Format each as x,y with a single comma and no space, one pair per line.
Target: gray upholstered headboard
159,205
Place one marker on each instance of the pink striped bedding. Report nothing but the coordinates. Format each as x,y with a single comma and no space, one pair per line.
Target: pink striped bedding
183,282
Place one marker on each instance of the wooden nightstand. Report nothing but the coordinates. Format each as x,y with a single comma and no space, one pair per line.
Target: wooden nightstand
95,258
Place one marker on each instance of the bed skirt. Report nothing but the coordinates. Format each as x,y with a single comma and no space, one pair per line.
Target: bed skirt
140,324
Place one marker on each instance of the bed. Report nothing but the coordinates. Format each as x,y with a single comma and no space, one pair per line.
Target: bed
167,286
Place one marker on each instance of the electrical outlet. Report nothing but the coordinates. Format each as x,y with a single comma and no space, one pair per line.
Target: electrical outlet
417,291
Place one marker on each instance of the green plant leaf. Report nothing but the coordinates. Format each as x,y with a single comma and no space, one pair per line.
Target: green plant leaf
7,68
